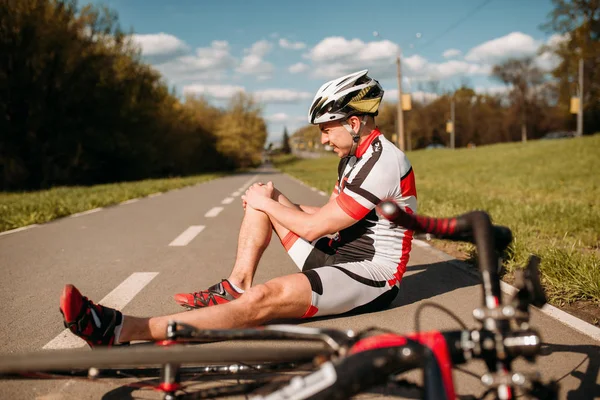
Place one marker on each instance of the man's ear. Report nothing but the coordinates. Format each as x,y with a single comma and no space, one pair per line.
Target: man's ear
354,123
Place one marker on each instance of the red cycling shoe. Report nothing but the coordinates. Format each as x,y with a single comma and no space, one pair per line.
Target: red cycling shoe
220,293
93,323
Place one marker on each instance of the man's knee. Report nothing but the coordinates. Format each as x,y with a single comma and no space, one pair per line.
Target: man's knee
268,300
257,301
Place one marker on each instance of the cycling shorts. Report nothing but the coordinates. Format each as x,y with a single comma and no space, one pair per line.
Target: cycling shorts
338,288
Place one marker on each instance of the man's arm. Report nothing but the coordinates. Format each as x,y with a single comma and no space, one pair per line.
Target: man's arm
329,219
279,197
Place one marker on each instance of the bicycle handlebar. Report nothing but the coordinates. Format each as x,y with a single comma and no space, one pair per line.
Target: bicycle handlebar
474,227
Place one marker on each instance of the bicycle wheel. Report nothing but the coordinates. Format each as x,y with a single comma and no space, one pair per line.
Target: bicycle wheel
211,371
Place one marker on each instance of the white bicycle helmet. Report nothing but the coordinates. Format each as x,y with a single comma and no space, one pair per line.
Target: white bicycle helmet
343,97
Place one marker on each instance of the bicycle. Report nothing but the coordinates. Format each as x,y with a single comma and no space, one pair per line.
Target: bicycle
342,363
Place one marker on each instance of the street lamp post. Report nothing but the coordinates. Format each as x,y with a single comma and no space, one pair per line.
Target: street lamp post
400,111
580,108
400,116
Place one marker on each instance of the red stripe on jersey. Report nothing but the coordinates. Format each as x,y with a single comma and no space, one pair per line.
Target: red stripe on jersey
351,206
362,148
407,185
289,240
406,247
312,310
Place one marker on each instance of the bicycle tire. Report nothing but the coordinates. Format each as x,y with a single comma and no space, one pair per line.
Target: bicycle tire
57,360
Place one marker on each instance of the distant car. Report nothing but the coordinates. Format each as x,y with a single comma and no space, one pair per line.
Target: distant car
559,135
435,146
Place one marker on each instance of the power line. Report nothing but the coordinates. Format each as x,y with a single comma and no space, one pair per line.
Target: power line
457,23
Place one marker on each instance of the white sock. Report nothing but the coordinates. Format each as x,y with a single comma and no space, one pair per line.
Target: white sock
237,289
118,329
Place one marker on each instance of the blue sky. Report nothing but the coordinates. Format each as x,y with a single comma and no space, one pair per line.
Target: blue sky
282,51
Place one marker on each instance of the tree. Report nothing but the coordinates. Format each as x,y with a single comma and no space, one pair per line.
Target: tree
286,149
523,76
578,22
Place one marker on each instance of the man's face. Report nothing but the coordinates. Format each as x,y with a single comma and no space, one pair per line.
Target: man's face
334,134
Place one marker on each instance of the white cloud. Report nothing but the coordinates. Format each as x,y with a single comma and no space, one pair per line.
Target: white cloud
283,117
419,68
336,56
218,92
225,92
493,90
420,96
451,53
515,44
207,62
286,44
547,60
254,64
156,44
298,68
281,96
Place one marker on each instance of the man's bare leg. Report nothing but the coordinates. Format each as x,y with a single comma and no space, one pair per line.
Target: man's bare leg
254,237
284,297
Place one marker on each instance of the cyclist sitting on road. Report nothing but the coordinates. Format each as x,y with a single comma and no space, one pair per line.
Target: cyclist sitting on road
359,269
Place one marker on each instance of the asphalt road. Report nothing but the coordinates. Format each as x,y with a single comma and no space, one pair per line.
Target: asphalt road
100,251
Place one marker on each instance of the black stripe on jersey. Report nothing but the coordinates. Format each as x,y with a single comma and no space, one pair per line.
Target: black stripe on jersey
358,278
406,174
315,281
364,172
366,194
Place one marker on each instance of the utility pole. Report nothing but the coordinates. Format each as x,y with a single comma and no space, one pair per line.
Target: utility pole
400,115
580,108
452,137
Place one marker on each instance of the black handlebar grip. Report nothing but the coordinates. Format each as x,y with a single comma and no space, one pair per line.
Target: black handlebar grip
458,228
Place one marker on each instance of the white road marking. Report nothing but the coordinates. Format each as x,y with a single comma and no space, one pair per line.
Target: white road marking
93,210
248,182
213,212
18,229
155,194
227,200
313,189
130,201
235,194
187,236
118,299
322,193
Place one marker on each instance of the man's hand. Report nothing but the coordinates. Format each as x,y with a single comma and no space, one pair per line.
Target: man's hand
256,195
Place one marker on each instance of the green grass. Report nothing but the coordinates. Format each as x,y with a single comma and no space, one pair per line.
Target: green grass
21,209
547,192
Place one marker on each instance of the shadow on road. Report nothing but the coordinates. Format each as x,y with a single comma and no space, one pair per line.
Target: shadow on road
430,280
424,282
588,387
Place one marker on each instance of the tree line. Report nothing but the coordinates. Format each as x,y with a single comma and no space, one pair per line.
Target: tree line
536,101
79,106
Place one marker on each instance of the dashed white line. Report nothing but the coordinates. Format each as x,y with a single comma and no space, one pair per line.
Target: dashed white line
187,236
118,299
129,201
213,212
227,200
93,210
313,189
322,193
235,194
